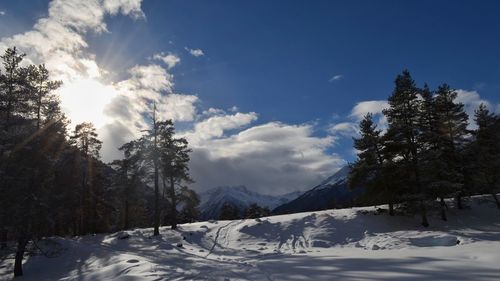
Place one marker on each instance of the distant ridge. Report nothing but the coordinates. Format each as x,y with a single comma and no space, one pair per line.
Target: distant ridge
331,193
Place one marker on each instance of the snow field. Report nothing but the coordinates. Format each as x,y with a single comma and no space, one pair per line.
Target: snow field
346,244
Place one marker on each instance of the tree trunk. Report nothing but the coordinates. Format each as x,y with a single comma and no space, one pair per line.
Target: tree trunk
93,211
75,224
38,112
155,163
496,199
157,207
458,202
126,222
82,204
391,208
425,223
3,238
174,202
18,264
443,209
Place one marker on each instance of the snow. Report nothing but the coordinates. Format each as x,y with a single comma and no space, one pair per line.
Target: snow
241,197
345,244
339,177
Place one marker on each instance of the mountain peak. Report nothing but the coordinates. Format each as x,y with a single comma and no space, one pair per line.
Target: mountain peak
239,196
338,177
332,192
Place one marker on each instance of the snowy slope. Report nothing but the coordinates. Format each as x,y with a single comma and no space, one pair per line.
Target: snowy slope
345,244
241,197
334,191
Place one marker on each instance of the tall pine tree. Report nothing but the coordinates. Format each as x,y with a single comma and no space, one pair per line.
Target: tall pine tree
403,118
370,169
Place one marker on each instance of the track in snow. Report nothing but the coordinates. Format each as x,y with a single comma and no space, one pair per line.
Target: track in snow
226,229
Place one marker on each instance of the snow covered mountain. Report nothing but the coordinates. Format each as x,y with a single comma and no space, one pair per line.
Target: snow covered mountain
241,197
332,192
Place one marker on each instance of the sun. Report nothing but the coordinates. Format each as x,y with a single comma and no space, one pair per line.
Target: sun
85,100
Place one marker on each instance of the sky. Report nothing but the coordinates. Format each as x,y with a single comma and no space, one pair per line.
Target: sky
268,93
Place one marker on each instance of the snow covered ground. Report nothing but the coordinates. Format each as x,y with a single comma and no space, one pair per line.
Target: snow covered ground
347,244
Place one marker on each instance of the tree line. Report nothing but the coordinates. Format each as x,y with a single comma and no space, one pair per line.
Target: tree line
427,153
231,212
53,181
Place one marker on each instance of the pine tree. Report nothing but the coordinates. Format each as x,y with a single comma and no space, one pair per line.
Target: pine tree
369,170
156,166
453,135
191,200
29,157
255,211
174,159
43,100
128,177
430,156
486,152
12,86
403,119
85,139
229,212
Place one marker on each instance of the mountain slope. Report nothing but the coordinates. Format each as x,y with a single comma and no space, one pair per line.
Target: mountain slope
332,192
239,196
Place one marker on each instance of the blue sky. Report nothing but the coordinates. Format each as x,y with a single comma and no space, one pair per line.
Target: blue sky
278,59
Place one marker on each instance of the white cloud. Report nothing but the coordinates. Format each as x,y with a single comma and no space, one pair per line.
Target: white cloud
126,7
336,78
350,128
272,158
170,60
178,107
2,13
471,101
215,126
362,108
213,111
375,107
153,77
195,52
345,129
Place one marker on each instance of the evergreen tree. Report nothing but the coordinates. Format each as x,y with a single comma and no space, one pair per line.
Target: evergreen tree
403,119
85,139
229,212
156,167
12,86
370,168
174,159
191,201
30,155
255,211
452,138
486,152
44,102
431,158
129,178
